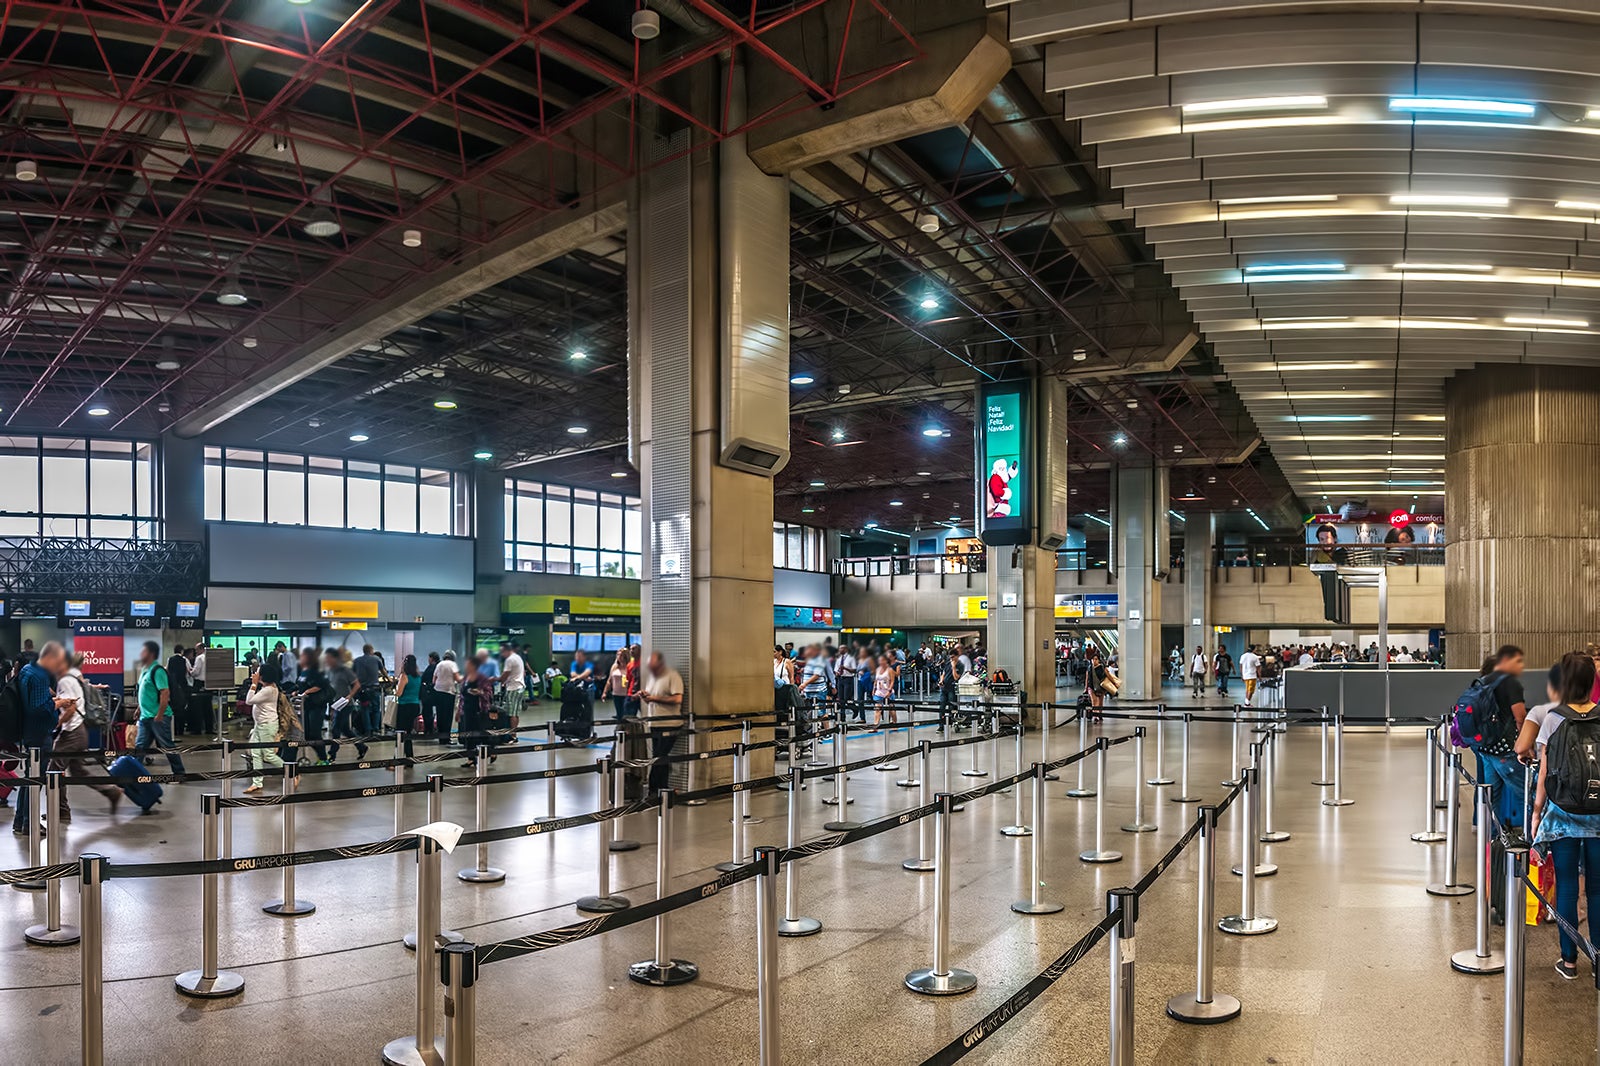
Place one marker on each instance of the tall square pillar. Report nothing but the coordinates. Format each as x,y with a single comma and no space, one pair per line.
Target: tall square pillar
1140,521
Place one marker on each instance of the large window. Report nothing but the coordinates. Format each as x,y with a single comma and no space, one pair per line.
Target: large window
556,529
71,487
248,485
797,547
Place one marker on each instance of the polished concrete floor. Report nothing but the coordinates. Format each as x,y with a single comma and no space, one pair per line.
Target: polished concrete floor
1358,971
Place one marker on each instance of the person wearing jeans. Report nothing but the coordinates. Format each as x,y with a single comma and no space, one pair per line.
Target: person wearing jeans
72,698
661,707
155,714
40,710
1571,837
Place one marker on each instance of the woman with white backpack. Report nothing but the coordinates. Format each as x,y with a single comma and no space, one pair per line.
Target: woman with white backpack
1566,808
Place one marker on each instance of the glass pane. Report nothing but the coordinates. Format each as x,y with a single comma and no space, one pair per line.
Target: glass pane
65,478
585,562
530,557
19,527
792,550
585,525
461,502
110,486
366,498
530,518
144,480
66,527
326,492
245,488
611,564
400,504
435,501
558,561
111,528
558,522
631,566
632,525
777,547
213,490
286,500
19,473
611,527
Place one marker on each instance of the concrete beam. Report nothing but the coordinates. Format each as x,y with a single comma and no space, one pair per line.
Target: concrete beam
493,263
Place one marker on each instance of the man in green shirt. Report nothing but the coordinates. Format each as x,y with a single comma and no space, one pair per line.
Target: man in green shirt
155,716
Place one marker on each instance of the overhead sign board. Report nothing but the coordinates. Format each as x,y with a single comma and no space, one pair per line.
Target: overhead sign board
367,609
352,626
806,618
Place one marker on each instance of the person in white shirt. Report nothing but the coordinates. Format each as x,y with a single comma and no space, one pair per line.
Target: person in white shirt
1250,670
661,707
1307,659
72,699
1197,671
1404,656
263,701
514,683
446,683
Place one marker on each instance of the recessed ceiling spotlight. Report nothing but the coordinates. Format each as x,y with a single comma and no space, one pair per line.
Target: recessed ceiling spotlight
411,238
929,303
933,431
99,410
359,438
1079,355
248,342
870,525
483,454
1073,491
167,364
577,431
928,222
1211,479
578,355
1120,439
838,434
445,405
646,25
801,379
896,503
27,170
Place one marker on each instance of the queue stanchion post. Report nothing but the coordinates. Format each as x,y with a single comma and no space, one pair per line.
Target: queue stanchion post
1124,903
619,796
1100,853
1451,885
1516,851
1161,777
1233,776
1247,922
35,795
1138,825
945,773
912,779
1442,756
816,761
1322,778
91,961
208,982
793,923
1430,834
550,764
941,979
886,766
1338,799
973,770
481,873
1184,795
1480,958
1270,834
1252,800
399,779
458,964
288,906
442,936
227,793
1047,722
1205,1005
662,970
841,788
766,860
740,775
604,900
425,1046
1018,827
1034,904
1527,792
1081,791
742,799
923,863
52,933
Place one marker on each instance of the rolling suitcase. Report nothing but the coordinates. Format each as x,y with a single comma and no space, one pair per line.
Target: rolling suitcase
577,713
144,794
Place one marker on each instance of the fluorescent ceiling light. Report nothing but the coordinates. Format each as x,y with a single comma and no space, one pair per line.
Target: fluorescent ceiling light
1290,268
1474,267
1327,418
1462,107
1420,199
619,473
1593,113
1264,123
359,438
1285,367
483,454
808,510
896,503
1578,205
1308,198
933,431
1297,277
445,405
1256,103
1530,320
818,484
801,379
577,431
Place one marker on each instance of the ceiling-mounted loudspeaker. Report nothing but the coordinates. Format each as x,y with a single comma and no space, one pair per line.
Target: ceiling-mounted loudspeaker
646,25
928,222
411,238
249,342
27,170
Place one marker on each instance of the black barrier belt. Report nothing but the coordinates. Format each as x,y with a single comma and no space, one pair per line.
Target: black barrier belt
696,756
962,798
1227,801
992,1022
280,800
33,874
392,846
1168,859
823,772
718,791
545,826
850,836
639,912
524,775
1578,938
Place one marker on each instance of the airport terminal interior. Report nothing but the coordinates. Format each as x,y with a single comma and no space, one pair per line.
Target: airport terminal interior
1177,425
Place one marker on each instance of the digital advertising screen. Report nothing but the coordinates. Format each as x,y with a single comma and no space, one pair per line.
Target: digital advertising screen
1360,537
1005,462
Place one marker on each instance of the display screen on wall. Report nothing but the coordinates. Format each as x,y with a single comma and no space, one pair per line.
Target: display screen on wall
589,641
563,642
1005,462
142,609
76,609
187,609
616,641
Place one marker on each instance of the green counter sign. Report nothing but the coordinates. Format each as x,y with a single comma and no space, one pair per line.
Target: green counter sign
1005,462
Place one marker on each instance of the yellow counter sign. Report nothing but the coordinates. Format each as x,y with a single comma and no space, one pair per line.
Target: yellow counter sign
972,607
348,608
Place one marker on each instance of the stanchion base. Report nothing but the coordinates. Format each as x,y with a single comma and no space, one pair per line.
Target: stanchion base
1155,782
1023,906
1277,836
1184,799
918,866
446,936
296,909
1229,784
907,782
887,768
750,819
1432,836
1016,831
46,937
603,904
489,875
1263,869
403,1052
694,803
832,801
1079,793
623,845
1322,784
1140,827
1186,1008
226,983
1100,856
935,984
1337,802
1469,961
798,926
1238,925
1052,777
731,865
842,827
1440,889
974,773
677,972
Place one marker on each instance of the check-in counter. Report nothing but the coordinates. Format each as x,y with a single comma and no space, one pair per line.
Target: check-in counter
1415,689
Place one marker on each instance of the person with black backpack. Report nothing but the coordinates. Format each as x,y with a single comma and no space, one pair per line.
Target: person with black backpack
1566,807
1487,719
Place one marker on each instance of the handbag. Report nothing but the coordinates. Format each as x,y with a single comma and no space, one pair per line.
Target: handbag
1110,686
390,706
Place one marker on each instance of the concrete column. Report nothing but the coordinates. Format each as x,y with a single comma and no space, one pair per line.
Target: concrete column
1140,518
1022,617
1199,537
1521,447
489,540
183,487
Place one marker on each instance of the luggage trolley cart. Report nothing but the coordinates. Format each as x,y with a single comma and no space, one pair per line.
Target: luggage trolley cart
1005,700
970,695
